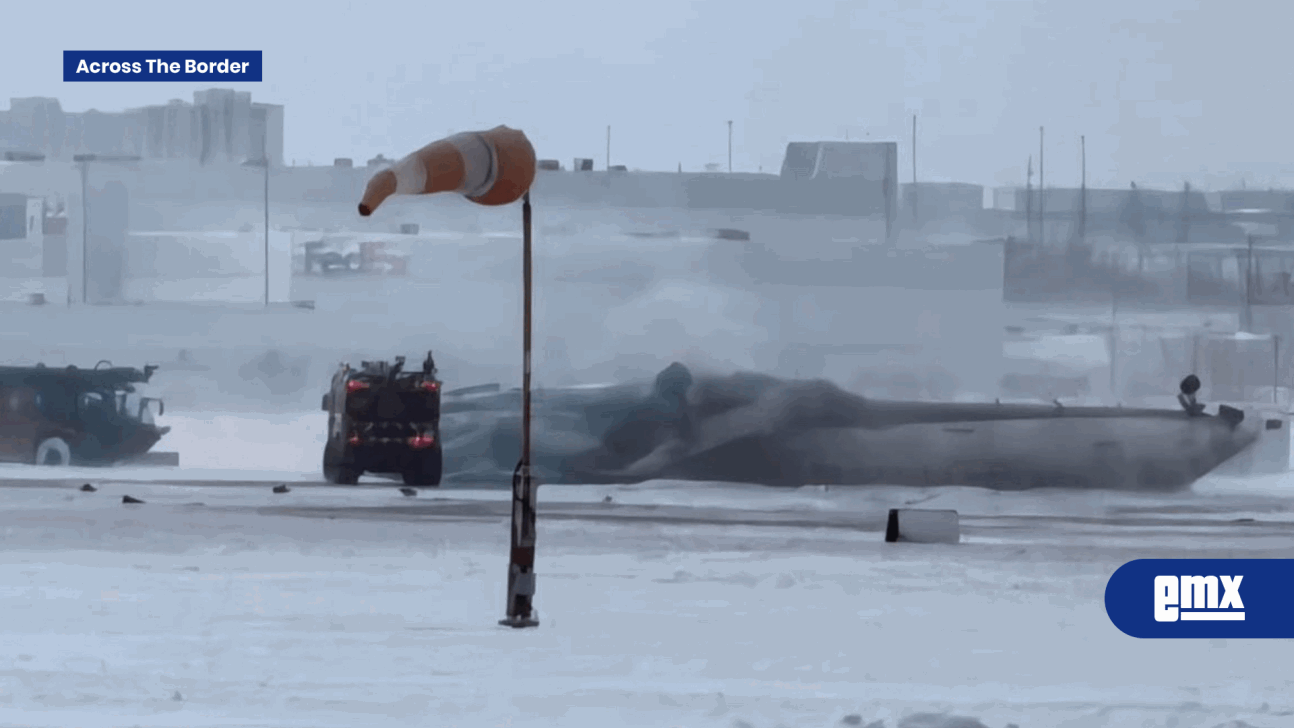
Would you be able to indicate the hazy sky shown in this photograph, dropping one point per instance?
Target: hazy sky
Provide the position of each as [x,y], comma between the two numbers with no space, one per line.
[1164,91]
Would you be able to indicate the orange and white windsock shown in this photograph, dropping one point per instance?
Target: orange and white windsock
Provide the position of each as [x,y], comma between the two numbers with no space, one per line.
[493,167]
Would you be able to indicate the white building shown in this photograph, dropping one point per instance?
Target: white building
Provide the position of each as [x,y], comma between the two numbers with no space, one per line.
[221,125]
[21,233]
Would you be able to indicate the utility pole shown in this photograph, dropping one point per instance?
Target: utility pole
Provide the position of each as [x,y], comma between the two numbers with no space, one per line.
[608,147]
[265,158]
[1028,201]
[1247,322]
[1276,366]
[85,230]
[914,169]
[1042,193]
[729,147]
[1082,199]
[1114,338]
[890,192]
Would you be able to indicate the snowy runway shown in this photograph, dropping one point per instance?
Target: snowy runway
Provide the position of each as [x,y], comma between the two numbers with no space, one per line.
[675,605]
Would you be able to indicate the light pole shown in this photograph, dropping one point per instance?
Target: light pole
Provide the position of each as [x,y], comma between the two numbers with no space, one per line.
[266,159]
[1082,215]
[1276,366]
[1042,191]
[915,217]
[84,160]
[85,230]
[729,147]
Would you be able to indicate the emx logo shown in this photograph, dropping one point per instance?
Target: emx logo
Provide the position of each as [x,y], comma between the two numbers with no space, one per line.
[1201,598]
[1195,598]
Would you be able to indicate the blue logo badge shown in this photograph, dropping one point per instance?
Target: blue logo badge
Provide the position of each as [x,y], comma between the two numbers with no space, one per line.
[1203,598]
[202,66]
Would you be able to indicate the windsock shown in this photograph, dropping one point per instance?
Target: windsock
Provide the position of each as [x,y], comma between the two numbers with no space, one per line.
[492,167]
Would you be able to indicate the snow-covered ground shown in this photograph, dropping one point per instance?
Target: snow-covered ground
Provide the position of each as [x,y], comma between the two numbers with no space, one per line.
[219,446]
[673,605]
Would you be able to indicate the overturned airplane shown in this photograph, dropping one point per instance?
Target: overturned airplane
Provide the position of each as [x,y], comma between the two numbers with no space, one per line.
[752,428]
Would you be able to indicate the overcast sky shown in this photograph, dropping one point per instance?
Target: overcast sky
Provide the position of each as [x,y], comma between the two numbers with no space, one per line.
[1165,91]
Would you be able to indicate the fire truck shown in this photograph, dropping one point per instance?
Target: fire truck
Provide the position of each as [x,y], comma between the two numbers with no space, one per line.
[384,420]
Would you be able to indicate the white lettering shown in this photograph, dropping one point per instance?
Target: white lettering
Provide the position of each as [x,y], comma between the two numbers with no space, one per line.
[191,66]
[82,67]
[1166,598]
[1199,592]
[1195,599]
[1231,593]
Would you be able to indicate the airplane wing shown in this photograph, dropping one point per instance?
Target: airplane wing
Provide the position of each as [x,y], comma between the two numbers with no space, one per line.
[487,398]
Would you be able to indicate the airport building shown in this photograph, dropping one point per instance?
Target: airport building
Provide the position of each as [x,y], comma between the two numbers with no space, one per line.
[220,126]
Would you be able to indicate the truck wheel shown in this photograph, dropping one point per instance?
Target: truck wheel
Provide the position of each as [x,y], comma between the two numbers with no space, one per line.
[427,470]
[53,451]
[336,473]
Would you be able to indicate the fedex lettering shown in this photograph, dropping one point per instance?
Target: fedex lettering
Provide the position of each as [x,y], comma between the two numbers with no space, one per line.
[1196,598]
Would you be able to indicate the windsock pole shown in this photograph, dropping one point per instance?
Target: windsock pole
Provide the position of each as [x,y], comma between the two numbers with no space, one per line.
[521,567]
[492,167]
